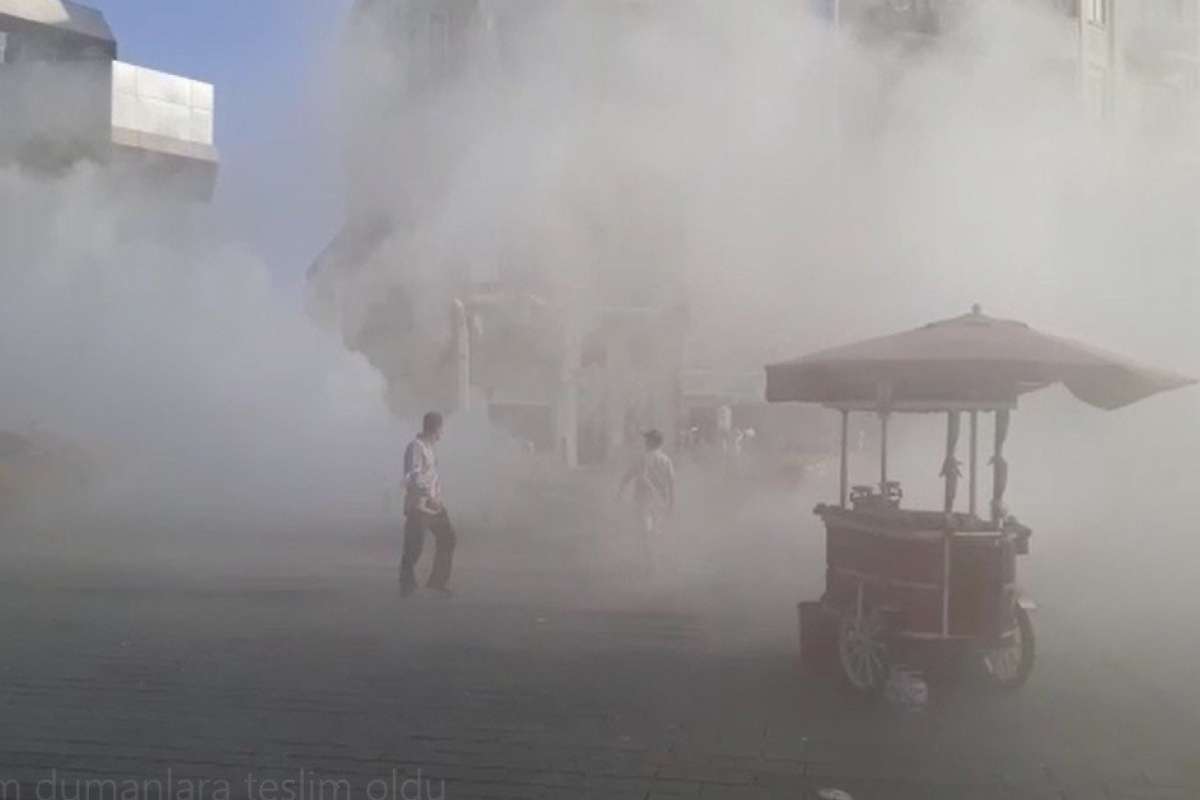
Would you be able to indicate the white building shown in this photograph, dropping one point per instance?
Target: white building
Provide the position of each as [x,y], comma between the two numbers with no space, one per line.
[66,97]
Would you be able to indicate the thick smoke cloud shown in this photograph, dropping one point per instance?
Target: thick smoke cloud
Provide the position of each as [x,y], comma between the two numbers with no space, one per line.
[202,394]
[797,188]
[800,189]
[786,180]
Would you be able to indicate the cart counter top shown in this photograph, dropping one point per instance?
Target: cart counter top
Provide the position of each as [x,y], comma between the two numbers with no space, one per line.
[911,523]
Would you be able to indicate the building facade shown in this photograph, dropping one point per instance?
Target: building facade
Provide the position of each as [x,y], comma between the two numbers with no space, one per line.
[1139,62]
[1135,63]
[66,98]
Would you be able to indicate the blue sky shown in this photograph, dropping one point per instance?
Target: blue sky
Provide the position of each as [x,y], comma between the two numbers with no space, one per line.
[279,190]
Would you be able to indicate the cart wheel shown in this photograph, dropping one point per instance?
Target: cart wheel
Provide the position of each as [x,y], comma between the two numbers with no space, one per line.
[862,650]
[1009,667]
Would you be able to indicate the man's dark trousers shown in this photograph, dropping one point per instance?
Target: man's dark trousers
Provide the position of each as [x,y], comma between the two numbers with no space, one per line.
[444,540]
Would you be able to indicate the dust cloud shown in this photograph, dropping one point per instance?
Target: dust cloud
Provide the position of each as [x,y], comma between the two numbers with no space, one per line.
[200,395]
[797,187]
[802,188]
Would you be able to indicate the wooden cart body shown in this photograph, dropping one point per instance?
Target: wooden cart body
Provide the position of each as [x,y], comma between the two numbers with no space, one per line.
[937,576]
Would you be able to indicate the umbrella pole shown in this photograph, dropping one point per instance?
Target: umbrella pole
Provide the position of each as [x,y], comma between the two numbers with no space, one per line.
[999,466]
[950,469]
[974,469]
[845,470]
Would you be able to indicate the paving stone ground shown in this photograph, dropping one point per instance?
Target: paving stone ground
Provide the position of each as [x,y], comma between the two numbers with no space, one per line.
[287,684]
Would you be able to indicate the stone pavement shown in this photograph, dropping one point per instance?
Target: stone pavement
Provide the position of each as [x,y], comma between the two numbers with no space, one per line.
[282,688]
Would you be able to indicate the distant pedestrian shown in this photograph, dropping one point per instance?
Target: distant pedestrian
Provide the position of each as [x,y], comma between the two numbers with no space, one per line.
[725,430]
[424,511]
[653,479]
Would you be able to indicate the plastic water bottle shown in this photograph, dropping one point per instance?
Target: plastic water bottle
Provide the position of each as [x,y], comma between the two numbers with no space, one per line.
[906,689]
[833,794]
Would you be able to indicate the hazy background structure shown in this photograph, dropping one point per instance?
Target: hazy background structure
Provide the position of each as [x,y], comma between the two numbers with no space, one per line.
[573,366]
[1134,62]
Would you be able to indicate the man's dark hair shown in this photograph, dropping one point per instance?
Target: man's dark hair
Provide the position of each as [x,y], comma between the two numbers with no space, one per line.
[653,439]
[432,422]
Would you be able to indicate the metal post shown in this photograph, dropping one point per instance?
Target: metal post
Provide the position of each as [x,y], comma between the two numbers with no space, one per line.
[883,453]
[950,464]
[999,465]
[947,538]
[974,469]
[845,472]
[567,402]
[462,343]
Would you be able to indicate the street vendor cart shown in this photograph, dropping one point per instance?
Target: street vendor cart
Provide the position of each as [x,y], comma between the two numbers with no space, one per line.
[902,580]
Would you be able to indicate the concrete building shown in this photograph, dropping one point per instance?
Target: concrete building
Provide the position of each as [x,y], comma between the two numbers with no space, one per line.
[1140,66]
[67,98]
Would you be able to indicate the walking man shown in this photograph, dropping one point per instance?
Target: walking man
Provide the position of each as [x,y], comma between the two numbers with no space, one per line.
[424,511]
[653,479]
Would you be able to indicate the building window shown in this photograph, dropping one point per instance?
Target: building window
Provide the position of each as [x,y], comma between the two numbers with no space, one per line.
[1096,12]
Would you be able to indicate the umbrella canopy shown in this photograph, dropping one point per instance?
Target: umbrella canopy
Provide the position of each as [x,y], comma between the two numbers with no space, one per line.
[968,361]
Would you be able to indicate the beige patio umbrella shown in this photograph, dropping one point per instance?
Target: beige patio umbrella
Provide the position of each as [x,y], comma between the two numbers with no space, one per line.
[969,363]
